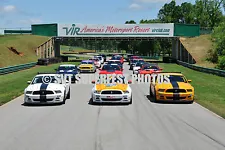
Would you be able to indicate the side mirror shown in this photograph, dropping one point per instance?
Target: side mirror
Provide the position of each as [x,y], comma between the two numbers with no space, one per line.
[100,69]
[56,69]
[129,81]
[160,69]
[28,82]
[93,82]
[189,81]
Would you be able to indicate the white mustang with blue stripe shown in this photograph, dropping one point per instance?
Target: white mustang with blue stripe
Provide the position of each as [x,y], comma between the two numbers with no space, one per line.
[46,88]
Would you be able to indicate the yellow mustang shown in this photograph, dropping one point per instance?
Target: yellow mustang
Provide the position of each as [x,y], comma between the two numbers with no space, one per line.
[177,89]
[87,66]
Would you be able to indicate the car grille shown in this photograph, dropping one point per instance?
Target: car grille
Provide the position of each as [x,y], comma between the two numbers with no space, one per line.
[111,92]
[43,92]
[114,99]
[39,100]
[175,98]
[176,91]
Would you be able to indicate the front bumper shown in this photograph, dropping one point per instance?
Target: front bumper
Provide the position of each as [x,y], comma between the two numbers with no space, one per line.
[121,98]
[179,97]
[50,99]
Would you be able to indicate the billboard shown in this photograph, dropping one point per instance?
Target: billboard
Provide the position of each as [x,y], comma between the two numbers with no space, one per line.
[124,30]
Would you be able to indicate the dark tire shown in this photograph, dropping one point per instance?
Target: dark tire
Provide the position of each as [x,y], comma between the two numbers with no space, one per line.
[191,102]
[92,102]
[150,92]
[64,98]
[131,100]
[154,97]
[68,95]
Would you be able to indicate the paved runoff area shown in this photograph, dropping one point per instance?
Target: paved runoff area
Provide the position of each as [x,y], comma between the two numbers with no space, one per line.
[77,125]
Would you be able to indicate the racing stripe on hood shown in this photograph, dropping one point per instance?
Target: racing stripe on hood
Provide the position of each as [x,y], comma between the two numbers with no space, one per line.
[176,95]
[43,88]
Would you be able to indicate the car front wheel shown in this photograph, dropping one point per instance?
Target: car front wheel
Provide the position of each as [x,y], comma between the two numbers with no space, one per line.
[68,95]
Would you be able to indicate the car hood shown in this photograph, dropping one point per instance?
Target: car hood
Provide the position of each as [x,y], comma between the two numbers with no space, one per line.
[50,86]
[86,65]
[100,87]
[175,85]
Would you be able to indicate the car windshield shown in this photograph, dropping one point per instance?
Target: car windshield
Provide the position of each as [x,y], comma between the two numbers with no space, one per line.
[86,62]
[136,60]
[67,68]
[39,79]
[177,78]
[150,67]
[110,67]
[138,64]
[99,57]
[116,58]
[114,62]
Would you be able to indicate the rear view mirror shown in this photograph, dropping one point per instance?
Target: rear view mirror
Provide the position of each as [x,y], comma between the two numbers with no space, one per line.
[28,82]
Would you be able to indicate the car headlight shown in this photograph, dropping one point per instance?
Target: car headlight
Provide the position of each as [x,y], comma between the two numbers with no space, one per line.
[161,90]
[126,92]
[58,91]
[28,92]
[189,90]
[97,92]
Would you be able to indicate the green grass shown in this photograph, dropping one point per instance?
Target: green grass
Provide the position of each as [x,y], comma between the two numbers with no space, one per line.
[26,44]
[209,89]
[12,85]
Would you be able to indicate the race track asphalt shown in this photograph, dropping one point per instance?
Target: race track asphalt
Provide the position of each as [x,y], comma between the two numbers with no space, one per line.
[77,125]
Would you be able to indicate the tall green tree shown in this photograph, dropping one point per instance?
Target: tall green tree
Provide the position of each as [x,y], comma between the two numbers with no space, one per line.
[170,13]
[208,13]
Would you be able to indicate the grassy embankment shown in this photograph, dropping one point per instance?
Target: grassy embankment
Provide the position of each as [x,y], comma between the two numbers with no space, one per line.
[25,44]
[198,47]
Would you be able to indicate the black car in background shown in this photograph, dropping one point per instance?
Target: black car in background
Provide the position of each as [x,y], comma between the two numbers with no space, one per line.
[128,57]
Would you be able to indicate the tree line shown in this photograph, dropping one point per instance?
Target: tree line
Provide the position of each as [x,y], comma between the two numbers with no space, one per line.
[207,13]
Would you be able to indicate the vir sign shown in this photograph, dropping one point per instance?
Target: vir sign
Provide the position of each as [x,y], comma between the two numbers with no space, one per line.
[125,30]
